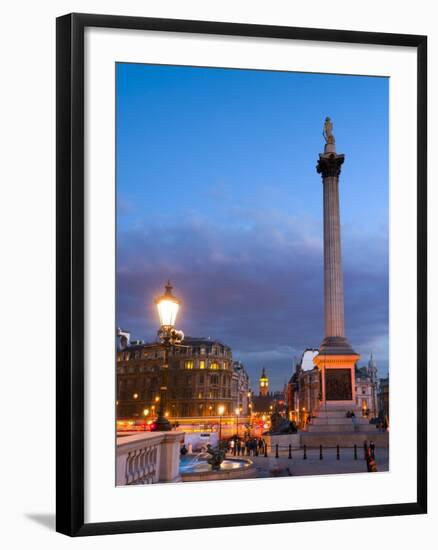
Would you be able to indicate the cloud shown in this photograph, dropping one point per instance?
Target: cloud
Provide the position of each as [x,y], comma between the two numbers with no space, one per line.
[253,280]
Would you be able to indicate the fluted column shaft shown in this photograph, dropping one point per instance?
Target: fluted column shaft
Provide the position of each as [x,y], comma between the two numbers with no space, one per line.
[329,166]
[333,277]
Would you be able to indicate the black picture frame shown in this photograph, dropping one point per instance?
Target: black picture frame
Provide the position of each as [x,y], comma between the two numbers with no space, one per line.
[70,273]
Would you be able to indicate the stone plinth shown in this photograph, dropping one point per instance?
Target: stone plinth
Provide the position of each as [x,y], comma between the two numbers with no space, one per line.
[283,440]
[341,366]
[169,457]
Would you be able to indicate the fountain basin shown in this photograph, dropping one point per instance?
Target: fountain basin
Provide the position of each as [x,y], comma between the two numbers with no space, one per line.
[231,468]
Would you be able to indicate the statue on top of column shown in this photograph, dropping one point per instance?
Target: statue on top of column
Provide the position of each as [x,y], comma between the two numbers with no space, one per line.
[327,131]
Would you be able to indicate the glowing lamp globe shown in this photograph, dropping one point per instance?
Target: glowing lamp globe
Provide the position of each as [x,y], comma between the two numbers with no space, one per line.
[167,306]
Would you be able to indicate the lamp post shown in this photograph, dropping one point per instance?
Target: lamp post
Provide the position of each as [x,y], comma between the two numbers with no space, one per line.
[220,410]
[167,307]
[145,414]
[237,411]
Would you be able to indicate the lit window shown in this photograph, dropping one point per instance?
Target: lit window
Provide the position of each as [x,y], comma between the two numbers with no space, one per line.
[214,366]
[225,364]
[202,364]
[188,365]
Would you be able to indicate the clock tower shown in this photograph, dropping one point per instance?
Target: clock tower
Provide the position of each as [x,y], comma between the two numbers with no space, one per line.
[263,383]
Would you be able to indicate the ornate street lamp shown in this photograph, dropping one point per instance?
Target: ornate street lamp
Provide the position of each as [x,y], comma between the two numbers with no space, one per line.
[167,307]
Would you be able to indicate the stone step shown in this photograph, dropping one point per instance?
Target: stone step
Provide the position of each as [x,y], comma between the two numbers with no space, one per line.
[330,420]
[345,428]
[313,439]
[341,414]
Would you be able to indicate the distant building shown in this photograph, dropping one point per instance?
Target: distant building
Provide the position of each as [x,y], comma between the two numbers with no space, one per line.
[304,388]
[201,377]
[383,398]
[241,385]
[263,384]
[266,402]
[367,389]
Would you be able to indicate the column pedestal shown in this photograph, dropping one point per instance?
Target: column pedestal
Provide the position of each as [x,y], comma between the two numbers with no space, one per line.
[337,379]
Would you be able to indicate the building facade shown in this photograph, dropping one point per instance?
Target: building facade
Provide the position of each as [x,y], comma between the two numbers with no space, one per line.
[383,398]
[242,387]
[304,389]
[367,389]
[201,378]
[303,393]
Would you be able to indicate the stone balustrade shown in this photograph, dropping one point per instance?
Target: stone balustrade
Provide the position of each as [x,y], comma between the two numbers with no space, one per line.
[149,457]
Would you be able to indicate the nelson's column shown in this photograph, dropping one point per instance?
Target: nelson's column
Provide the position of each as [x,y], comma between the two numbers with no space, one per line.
[336,358]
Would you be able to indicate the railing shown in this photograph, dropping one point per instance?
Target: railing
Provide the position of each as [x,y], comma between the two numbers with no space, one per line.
[277,451]
[141,466]
[148,457]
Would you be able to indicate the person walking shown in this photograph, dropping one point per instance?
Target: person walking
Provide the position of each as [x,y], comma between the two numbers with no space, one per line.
[261,445]
[238,447]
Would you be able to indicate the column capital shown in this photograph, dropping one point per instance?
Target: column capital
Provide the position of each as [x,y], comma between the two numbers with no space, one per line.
[329,164]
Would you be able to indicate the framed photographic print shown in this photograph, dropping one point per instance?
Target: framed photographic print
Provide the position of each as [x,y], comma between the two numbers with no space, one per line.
[241,274]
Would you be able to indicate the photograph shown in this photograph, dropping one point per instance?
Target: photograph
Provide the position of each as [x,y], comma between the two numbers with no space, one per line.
[252,274]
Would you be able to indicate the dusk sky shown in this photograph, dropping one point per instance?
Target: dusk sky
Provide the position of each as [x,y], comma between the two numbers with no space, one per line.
[217,191]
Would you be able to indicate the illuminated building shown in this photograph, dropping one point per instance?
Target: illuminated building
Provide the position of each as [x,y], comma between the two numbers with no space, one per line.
[201,378]
[263,384]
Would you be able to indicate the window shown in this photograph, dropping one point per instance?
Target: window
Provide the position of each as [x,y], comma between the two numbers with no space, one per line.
[201,378]
[188,364]
[225,365]
[214,366]
[202,364]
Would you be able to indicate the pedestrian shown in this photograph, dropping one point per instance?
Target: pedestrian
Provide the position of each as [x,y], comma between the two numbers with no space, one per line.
[372,449]
[260,445]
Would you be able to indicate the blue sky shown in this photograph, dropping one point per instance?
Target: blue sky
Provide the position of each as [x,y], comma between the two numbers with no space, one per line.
[217,190]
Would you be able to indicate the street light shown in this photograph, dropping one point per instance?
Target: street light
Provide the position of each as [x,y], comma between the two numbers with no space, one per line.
[145,414]
[167,307]
[237,411]
[221,411]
